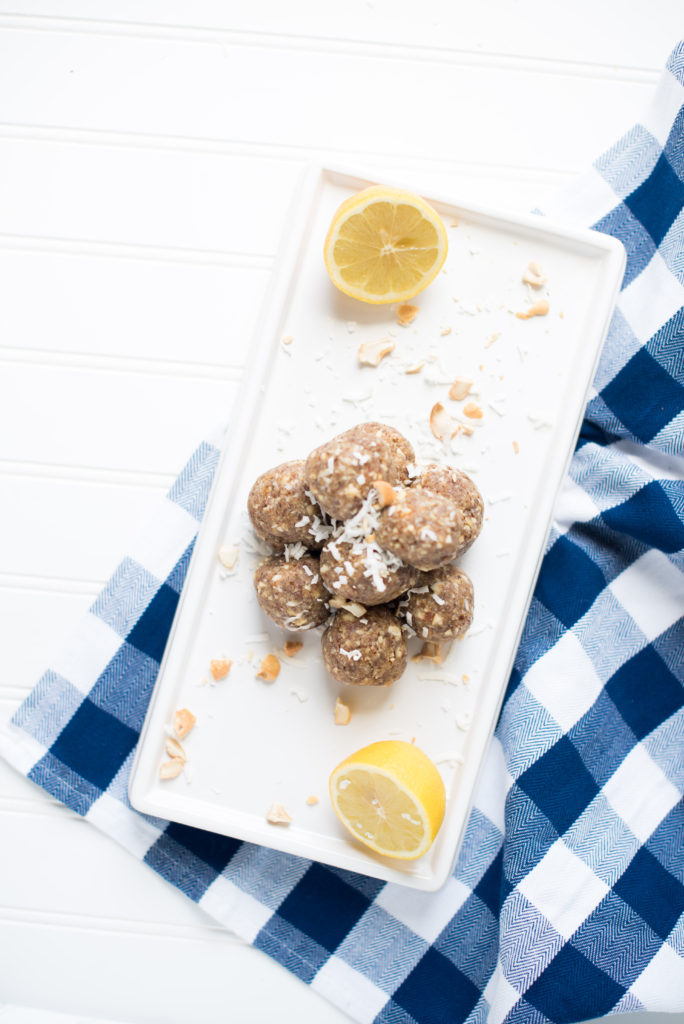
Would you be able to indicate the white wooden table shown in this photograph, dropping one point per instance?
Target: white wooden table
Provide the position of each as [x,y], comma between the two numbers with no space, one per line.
[148,149]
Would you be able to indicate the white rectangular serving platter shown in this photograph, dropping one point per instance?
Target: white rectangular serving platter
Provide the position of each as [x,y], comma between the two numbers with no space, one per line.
[257,743]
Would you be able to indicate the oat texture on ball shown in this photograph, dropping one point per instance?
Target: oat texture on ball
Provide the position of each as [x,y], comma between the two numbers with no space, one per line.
[364,546]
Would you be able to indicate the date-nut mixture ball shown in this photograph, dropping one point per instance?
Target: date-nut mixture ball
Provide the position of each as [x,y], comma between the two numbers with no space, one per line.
[401,449]
[281,512]
[362,571]
[341,472]
[292,592]
[441,606]
[456,485]
[422,529]
[370,651]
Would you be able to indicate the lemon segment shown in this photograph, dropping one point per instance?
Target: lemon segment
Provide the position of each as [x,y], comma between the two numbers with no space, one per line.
[391,797]
[384,245]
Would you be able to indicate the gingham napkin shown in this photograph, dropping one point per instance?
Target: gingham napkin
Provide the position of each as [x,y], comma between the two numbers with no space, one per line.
[567,901]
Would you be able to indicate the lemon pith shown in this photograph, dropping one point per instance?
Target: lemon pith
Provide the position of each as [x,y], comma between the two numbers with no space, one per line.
[384,245]
[391,797]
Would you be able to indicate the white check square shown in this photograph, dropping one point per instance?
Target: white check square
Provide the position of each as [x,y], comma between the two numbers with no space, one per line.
[349,990]
[500,995]
[652,298]
[651,591]
[640,793]
[420,911]
[134,831]
[92,645]
[564,681]
[159,547]
[563,888]
[664,108]
[239,911]
[661,984]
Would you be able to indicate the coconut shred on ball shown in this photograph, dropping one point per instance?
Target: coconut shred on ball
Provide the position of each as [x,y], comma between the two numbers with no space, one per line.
[362,571]
[282,512]
[291,592]
[441,606]
[366,651]
[457,486]
[341,472]
[423,529]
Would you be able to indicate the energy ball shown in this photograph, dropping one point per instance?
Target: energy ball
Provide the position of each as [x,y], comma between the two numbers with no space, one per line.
[421,528]
[401,449]
[281,512]
[441,607]
[370,651]
[340,473]
[292,592]
[457,486]
[362,571]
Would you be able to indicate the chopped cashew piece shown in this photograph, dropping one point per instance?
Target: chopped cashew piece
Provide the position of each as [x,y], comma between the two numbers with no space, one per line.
[534,275]
[292,647]
[171,769]
[183,721]
[228,555]
[269,669]
[353,607]
[460,389]
[342,713]
[414,369]
[540,308]
[174,749]
[430,651]
[516,447]
[406,314]
[371,353]
[386,493]
[441,423]
[277,815]
[220,667]
[312,800]
[473,411]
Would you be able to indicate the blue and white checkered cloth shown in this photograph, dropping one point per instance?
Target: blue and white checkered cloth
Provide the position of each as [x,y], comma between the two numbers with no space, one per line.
[567,901]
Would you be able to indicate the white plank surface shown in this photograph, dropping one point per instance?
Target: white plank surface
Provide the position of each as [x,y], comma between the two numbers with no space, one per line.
[147,154]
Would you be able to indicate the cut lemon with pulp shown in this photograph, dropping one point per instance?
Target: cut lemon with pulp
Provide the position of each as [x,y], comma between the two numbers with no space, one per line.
[384,245]
[391,797]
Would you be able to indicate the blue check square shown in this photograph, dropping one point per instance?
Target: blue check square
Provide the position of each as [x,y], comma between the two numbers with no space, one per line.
[643,375]
[657,202]
[655,894]
[626,689]
[572,988]
[94,744]
[436,992]
[559,784]
[569,581]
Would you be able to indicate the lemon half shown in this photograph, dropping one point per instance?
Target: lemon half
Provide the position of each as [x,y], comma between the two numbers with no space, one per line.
[384,245]
[391,797]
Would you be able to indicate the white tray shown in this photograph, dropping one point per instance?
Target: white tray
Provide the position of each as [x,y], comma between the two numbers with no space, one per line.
[257,743]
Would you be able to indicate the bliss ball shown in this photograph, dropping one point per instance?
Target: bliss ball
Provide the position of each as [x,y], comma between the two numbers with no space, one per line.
[366,651]
[457,486]
[281,512]
[292,592]
[441,606]
[423,529]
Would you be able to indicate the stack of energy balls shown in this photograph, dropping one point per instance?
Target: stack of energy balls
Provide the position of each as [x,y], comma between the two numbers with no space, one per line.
[366,543]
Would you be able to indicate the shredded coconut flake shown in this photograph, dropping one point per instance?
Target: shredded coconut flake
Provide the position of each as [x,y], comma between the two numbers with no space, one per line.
[354,655]
[295,551]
